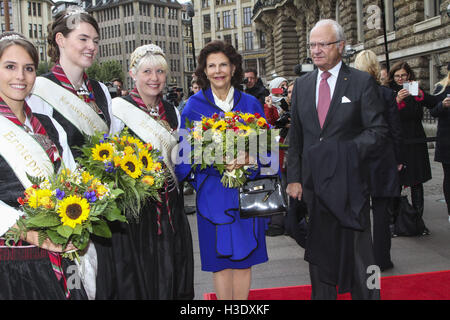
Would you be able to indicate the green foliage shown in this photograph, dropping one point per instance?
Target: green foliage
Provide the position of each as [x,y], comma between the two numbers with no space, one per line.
[106,71]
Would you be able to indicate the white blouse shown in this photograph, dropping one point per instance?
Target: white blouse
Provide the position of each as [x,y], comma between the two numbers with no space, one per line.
[227,104]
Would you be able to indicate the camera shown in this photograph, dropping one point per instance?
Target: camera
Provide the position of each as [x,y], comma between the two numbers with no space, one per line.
[113,90]
[281,91]
[245,81]
[172,95]
[283,120]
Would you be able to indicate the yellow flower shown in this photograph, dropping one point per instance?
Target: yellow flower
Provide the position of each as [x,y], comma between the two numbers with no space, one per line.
[102,152]
[149,180]
[41,197]
[136,141]
[131,165]
[73,210]
[156,166]
[117,160]
[86,176]
[261,122]
[229,114]
[146,160]
[101,190]
[128,150]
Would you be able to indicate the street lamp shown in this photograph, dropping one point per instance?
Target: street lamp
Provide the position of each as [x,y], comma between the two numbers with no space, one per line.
[191,13]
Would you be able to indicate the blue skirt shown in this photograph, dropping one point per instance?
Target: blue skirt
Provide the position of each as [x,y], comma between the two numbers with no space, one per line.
[213,262]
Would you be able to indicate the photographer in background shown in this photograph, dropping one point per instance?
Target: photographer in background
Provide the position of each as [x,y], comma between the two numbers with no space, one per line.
[174,95]
[254,85]
[118,84]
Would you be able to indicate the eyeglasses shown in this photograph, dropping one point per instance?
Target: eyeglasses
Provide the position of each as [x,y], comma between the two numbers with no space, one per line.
[321,45]
[401,76]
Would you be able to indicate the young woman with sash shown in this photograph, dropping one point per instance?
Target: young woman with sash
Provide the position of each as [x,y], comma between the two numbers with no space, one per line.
[82,106]
[161,244]
[229,246]
[30,143]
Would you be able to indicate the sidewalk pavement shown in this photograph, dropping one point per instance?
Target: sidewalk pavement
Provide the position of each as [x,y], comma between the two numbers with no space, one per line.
[286,266]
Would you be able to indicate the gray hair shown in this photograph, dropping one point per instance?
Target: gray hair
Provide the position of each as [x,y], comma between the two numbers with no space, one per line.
[338,30]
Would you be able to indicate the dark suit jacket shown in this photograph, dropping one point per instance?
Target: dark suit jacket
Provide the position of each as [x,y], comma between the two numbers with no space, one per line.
[329,245]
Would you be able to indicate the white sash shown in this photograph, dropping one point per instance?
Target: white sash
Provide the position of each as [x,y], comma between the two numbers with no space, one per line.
[23,153]
[148,129]
[76,111]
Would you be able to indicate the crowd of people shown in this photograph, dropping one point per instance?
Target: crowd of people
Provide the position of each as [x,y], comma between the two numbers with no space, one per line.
[333,120]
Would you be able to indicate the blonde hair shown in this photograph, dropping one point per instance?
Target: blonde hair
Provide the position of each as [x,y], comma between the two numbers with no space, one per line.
[148,54]
[444,83]
[367,61]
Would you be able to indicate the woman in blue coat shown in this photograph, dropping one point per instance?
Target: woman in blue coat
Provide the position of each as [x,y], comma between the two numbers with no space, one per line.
[229,246]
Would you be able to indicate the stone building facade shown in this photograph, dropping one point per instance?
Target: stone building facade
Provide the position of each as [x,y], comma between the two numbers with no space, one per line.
[417,32]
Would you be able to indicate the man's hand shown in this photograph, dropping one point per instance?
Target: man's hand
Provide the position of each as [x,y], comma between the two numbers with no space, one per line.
[446,102]
[295,190]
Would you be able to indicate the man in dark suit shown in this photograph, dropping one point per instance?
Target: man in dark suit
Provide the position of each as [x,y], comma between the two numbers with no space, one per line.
[335,104]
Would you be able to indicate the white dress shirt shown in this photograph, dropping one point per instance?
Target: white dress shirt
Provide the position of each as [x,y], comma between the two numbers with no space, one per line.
[331,80]
[227,104]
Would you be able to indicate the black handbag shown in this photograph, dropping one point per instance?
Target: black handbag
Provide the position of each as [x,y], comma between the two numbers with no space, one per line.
[408,222]
[262,197]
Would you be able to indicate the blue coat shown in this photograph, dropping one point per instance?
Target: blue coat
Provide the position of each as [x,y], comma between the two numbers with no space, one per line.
[236,239]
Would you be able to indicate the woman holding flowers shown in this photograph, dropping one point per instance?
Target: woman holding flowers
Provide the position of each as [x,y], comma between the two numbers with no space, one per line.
[29,140]
[161,243]
[82,106]
[229,246]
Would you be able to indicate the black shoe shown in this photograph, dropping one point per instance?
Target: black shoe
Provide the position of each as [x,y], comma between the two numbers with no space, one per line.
[189,210]
[388,266]
[274,231]
[426,232]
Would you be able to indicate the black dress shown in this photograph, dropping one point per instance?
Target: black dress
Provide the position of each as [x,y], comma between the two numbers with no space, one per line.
[151,261]
[26,273]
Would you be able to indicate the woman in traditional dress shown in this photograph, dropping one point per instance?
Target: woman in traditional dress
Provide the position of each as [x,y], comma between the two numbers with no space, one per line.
[27,270]
[162,242]
[82,106]
[229,246]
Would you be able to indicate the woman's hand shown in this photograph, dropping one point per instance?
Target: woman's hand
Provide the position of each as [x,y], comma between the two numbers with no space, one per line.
[446,102]
[268,101]
[242,159]
[402,94]
[32,237]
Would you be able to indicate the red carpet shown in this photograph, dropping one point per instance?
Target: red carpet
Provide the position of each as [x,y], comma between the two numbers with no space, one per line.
[421,286]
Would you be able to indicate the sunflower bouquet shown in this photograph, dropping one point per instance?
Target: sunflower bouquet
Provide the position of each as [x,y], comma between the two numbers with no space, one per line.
[130,165]
[67,207]
[226,137]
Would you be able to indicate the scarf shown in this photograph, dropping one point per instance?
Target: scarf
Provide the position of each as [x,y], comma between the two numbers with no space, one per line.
[141,104]
[38,129]
[87,96]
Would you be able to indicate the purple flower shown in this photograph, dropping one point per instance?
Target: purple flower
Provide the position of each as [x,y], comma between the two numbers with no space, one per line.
[60,194]
[109,167]
[90,196]
[222,115]
[160,158]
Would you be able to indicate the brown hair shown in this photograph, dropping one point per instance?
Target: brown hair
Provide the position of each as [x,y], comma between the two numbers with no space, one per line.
[60,24]
[227,49]
[20,40]
[401,65]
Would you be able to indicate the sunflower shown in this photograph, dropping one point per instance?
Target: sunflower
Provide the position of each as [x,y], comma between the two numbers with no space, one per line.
[103,151]
[146,160]
[73,210]
[131,165]
[136,141]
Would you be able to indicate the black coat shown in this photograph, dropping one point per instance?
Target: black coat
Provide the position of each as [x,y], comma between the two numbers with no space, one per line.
[414,150]
[384,177]
[259,92]
[329,245]
[442,152]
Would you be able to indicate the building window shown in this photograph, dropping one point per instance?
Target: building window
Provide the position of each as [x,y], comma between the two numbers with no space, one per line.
[262,39]
[227,19]
[39,10]
[29,8]
[218,21]
[247,16]
[227,39]
[248,40]
[206,23]
[432,8]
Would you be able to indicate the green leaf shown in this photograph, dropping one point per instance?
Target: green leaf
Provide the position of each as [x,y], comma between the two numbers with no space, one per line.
[116,192]
[101,229]
[77,229]
[65,231]
[55,237]
[43,220]
[114,214]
